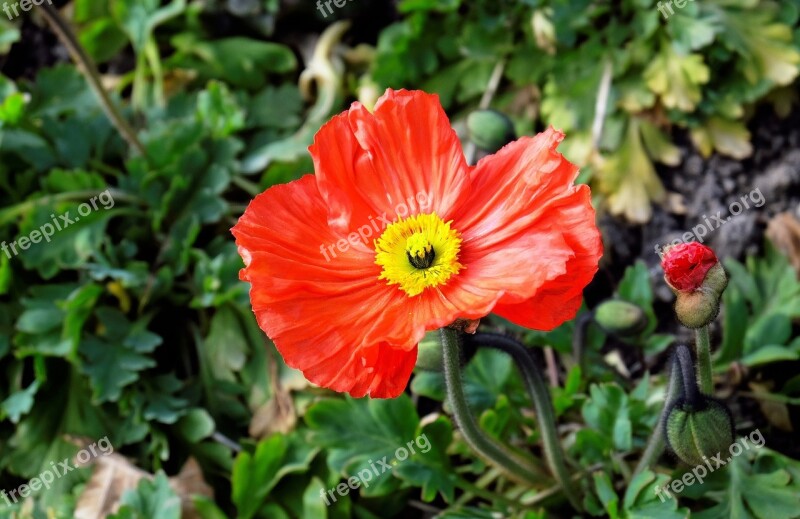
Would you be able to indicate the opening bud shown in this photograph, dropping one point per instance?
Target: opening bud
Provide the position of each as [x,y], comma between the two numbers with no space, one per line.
[696,277]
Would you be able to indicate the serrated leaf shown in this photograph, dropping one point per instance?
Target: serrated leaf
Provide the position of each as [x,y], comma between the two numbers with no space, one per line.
[362,433]
[629,178]
[676,78]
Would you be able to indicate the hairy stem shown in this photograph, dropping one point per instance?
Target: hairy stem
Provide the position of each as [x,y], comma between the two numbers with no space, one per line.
[684,364]
[704,360]
[497,454]
[540,395]
[655,445]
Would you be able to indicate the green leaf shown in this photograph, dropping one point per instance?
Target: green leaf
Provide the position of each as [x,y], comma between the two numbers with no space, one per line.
[279,107]
[102,39]
[114,360]
[691,32]
[641,500]
[19,403]
[614,414]
[769,353]
[759,305]
[361,435]
[485,379]
[630,178]
[430,467]
[226,344]
[408,6]
[728,137]
[139,18]
[758,484]
[150,500]
[605,491]
[196,425]
[635,287]
[219,110]
[764,44]
[254,59]
[254,475]
[313,505]
[677,78]
[206,509]
[9,34]
[40,324]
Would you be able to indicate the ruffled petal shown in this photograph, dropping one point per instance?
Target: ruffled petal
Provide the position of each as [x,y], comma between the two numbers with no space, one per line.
[528,225]
[559,299]
[319,313]
[413,151]
[345,177]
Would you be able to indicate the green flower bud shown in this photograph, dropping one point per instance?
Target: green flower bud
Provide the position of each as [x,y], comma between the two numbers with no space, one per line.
[700,430]
[696,427]
[490,130]
[620,318]
[429,352]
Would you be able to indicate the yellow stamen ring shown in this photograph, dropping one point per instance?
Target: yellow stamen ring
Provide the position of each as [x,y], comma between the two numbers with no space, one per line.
[418,252]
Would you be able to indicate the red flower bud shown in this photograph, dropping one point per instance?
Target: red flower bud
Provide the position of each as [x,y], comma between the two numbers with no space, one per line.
[696,277]
[686,265]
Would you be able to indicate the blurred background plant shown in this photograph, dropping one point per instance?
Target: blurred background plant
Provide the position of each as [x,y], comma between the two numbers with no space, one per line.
[132,323]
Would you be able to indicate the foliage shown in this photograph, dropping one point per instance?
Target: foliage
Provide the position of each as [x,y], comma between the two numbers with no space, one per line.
[131,322]
[557,52]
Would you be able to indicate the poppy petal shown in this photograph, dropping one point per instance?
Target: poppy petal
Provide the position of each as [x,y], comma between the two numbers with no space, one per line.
[318,312]
[526,221]
[559,299]
[342,172]
[413,150]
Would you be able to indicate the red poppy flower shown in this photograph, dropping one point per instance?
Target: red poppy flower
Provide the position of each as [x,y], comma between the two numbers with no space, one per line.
[686,265]
[396,235]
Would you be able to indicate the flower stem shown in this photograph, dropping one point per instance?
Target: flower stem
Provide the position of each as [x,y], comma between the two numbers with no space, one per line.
[655,445]
[497,454]
[89,70]
[683,363]
[540,395]
[704,360]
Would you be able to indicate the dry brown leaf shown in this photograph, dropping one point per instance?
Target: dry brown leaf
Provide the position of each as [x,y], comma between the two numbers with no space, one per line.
[784,232]
[189,482]
[776,413]
[114,474]
[278,414]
